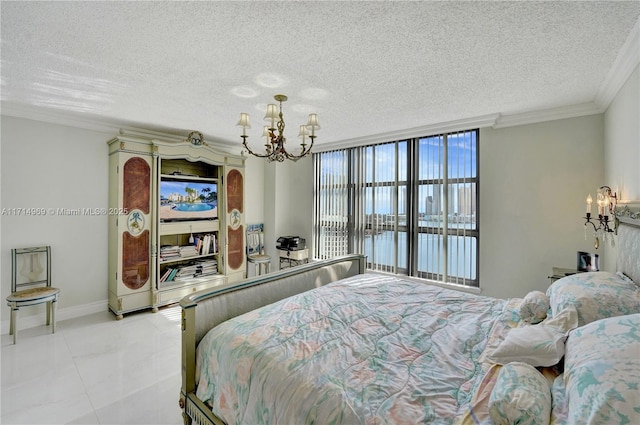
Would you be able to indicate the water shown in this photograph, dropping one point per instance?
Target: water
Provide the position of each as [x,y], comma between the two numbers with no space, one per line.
[186,206]
[461,253]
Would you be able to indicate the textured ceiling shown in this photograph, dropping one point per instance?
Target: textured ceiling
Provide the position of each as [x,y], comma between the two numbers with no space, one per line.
[365,67]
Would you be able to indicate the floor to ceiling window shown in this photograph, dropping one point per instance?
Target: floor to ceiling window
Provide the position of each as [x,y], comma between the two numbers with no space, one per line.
[410,206]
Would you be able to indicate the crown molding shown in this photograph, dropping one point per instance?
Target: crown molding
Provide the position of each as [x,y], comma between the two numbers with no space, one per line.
[626,62]
[543,115]
[422,131]
[101,124]
[492,120]
[495,120]
[87,122]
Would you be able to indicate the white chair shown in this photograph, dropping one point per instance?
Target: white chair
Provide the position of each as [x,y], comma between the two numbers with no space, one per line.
[31,284]
[255,249]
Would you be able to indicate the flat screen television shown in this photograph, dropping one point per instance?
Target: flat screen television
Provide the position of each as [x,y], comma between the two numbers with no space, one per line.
[182,200]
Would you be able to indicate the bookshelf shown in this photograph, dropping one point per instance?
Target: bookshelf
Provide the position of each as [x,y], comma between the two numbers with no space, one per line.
[190,234]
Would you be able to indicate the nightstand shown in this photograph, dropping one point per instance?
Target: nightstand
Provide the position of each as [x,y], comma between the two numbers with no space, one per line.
[559,273]
[293,258]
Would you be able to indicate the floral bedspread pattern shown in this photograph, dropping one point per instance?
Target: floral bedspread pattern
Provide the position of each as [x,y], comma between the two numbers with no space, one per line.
[369,350]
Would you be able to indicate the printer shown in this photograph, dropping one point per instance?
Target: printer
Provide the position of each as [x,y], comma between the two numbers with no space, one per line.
[290,243]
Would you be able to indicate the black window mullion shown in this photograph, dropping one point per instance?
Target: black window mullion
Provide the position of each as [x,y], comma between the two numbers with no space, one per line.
[412,206]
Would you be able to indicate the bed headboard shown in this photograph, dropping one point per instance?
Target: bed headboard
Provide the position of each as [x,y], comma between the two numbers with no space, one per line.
[628,240]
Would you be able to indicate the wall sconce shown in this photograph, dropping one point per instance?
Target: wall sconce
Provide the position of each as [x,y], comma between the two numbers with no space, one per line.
[606,203]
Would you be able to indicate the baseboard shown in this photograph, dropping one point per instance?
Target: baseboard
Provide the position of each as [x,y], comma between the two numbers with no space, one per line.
[33,320]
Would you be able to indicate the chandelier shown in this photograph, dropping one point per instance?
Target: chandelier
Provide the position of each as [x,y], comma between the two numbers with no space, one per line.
[275,150]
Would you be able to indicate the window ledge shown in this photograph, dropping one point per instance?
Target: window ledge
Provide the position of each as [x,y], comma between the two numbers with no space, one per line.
[454,286]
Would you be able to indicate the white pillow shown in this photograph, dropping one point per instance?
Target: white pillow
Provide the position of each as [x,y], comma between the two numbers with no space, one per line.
[602,372]
[594,295]
[537,345]
[521,395]
[559,408]
[534,307]
[624,277]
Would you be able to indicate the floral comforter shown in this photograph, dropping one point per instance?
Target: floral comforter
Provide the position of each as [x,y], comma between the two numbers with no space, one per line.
[370,349]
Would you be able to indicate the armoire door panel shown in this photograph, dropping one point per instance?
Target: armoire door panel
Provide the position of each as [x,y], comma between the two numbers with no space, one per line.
[235,191]
[136,179]
[235,248]
[135,259]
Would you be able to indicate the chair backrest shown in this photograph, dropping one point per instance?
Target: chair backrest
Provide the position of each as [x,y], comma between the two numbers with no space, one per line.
[255,239]
[30,267]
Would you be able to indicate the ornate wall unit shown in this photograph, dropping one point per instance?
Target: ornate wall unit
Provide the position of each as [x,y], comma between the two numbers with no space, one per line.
[176,220]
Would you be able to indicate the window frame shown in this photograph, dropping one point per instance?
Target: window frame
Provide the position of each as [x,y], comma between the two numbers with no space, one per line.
[361,179]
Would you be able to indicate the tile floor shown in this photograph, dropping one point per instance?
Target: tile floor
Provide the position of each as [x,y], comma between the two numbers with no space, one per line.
[94,370]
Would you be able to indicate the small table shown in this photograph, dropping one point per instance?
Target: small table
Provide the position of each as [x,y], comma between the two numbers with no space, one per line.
[559,273]
[293,258]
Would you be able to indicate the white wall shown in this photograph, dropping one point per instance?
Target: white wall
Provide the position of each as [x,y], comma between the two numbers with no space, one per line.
[622,147]
[56,167]
[254,193]
[301,196]
[533,183]
[288,202]
[622,140]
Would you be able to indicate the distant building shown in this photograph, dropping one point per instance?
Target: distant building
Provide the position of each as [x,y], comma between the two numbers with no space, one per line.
[179,197]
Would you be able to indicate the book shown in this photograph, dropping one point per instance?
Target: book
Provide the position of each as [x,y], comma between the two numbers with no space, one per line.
[166,274]
[172,275]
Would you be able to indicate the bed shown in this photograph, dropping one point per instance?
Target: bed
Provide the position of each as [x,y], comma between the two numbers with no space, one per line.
[327,343]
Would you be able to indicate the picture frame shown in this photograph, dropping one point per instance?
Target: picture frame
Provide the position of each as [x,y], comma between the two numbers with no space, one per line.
[588,262]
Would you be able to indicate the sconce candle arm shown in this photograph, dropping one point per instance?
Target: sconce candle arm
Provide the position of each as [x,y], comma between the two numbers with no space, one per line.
[588,218]
[603,223]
